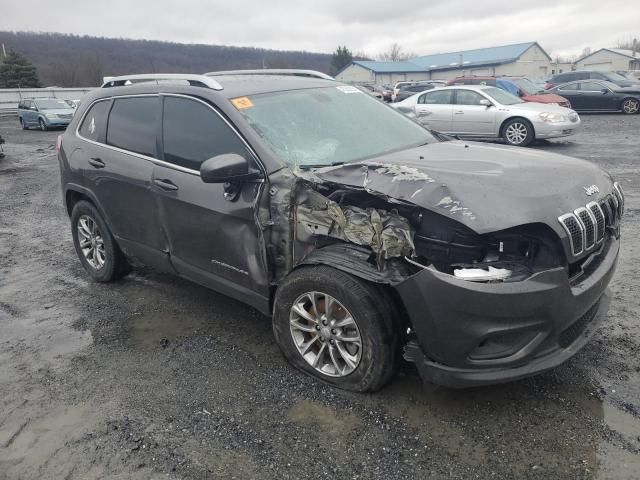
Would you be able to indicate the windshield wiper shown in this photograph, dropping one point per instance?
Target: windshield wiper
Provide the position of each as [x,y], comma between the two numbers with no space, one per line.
[305,166]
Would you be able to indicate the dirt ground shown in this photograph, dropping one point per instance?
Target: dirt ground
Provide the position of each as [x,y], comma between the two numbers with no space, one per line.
[155,377]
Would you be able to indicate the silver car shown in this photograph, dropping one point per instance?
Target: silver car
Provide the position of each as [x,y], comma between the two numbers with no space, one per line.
[478,111]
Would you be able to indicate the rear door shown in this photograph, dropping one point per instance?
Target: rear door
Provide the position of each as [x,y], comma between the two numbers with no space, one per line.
[117,165]
[435,110]
[571,91]
[213,236]
[470,117]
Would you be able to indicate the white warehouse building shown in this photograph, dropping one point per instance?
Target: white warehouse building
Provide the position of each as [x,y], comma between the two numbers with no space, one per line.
[610,59]
[528,59]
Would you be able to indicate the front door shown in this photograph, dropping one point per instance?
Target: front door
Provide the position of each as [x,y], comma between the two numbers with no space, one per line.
[212,231]
[595,96]
[435,110]
[470,117]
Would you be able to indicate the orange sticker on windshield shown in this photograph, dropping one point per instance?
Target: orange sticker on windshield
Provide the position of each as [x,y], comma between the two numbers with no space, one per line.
[242,102]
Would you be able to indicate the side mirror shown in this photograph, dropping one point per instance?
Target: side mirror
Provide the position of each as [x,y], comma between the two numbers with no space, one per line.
[520,93]
[485,102]
[604,91]
[227,168]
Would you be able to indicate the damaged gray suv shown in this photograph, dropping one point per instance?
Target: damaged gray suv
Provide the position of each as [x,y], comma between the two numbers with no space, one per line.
[366,237]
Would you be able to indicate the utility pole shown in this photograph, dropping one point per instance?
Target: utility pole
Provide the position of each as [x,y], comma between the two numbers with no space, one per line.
[4,51]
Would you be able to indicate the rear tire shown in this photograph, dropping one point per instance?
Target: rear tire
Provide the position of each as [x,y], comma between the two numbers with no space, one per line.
[518,132]
[630,106]
[97,249]
[357,342]
[22,125]
[43,126]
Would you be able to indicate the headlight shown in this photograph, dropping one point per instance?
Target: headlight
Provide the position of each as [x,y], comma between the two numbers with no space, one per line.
[552,117]
[51,115]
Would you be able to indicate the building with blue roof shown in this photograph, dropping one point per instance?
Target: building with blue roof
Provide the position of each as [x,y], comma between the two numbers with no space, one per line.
[527,58]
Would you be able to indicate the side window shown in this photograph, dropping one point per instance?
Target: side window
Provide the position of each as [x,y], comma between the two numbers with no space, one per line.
[21,105]
[94,125]
[569,87]
[597,76]
[438,97]
[591,87]
[467,97]
[193,133]
[132,124]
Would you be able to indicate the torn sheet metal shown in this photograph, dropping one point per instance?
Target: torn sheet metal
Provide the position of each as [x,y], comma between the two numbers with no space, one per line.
[387,233]
[396,182]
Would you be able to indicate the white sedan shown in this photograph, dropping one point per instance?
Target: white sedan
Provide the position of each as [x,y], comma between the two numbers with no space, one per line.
[477,111]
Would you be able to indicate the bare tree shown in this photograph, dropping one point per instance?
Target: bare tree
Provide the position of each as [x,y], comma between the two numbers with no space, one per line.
[395,54]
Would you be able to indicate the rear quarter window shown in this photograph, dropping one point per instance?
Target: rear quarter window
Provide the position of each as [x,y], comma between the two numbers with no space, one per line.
[94,124]
[132,124]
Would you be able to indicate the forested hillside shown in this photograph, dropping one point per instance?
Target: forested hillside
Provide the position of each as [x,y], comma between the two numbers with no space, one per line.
[78,61]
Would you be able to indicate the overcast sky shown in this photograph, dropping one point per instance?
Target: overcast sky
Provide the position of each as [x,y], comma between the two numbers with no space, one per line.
[419,26]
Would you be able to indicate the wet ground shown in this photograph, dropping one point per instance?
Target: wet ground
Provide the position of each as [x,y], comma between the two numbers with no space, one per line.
[155,377]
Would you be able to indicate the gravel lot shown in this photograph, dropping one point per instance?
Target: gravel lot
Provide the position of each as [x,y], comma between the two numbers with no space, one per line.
[155,377]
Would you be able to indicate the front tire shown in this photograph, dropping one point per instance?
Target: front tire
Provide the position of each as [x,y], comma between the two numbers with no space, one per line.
[98,252]
[518,132]
[43,125]
[337,328]
[630,106]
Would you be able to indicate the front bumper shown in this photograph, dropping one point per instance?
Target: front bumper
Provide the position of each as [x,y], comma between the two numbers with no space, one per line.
[57,122]
[470,334]
[555,130]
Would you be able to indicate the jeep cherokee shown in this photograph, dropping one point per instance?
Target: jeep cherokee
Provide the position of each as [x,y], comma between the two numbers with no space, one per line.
[364,235]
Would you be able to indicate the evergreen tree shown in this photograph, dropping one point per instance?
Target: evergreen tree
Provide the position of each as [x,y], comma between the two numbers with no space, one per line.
[17,72]
[340,59]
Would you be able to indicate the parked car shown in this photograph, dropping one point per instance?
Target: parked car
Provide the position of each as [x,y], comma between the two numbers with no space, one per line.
[601,96]
[407,91]
[576,75]
[44,113]
[403,85]
[520,86]
[633,75]
[371,90]
[477,111]
[359,231]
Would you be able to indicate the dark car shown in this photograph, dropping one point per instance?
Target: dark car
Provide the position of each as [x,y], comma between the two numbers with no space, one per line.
[519,86]
[406,91]
[600,96]
[362,234]
[576,75]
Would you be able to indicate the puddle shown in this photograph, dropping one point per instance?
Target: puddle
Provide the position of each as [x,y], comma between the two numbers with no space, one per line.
[326,419]
[153,328]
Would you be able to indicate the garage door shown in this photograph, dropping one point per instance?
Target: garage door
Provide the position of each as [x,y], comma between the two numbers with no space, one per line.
[602,66]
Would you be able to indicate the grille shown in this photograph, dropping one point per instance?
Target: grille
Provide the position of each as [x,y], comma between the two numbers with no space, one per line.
[598,216]
[65,115]
[571,224]
[587,227]
[573,331]
[588,224]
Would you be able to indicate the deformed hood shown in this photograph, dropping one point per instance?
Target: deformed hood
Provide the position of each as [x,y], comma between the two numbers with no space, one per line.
[485,187]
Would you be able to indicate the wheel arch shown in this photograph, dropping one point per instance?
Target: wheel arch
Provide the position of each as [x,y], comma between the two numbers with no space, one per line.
[637,99]
[353,259]
[516,117]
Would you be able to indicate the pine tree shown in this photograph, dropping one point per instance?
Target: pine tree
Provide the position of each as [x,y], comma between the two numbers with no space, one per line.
[17,72]
[340,59]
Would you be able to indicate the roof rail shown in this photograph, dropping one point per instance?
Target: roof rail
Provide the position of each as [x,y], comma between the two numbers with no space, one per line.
[274,71]
[193,80]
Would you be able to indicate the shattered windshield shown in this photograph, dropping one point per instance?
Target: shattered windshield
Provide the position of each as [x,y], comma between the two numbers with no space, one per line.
[329,126]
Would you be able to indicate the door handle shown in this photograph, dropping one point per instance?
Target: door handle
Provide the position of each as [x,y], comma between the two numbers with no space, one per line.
[165,184]
[459,112]
[424,113]
[96,162]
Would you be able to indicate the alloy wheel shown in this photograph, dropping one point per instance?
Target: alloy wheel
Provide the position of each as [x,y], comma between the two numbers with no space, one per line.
[325,334]
[43,126]
[516,133]
[91,242]
[631,106]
